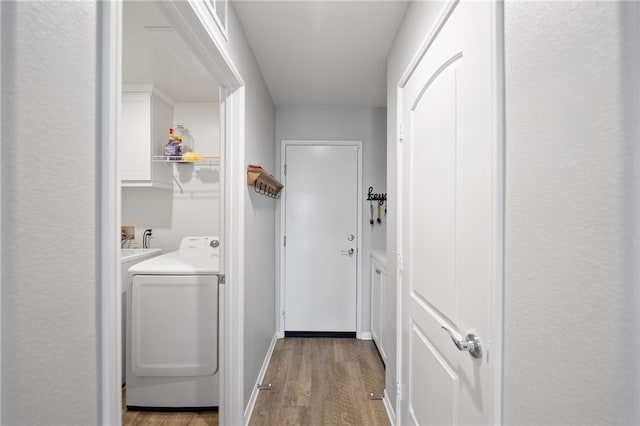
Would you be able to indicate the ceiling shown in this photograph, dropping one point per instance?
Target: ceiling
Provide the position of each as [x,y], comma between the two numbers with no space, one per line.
[310,52]
[328,52]
[152,52]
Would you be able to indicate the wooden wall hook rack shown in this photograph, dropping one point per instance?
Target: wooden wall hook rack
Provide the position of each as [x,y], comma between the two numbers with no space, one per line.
[262,182]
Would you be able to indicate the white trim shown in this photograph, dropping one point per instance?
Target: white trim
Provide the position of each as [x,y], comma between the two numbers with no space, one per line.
[398,255]
[212,7]
[146,89]
[219,57]
[2,143]
[109,295]
[365,335]
[263,371]
[388,408]
[281,285]
[497,309]
[233,344]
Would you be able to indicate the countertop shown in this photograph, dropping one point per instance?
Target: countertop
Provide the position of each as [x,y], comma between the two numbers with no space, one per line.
[130,254]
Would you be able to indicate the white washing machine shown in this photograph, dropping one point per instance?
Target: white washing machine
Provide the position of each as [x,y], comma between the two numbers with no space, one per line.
[172,337]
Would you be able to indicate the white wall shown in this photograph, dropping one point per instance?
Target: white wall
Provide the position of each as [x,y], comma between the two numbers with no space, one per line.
[195,210]
[50,213]
[346,123]
[571,297]
[571,287]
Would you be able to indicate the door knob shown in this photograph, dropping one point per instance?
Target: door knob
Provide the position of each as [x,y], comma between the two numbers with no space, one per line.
[351,237]
[471,344]
[348,252]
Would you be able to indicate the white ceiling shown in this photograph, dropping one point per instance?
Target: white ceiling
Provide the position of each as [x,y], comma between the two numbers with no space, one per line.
[153,53]
[328,52]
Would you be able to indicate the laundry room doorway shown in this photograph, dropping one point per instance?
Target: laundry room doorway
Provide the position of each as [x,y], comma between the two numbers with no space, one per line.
[321,250]
[187,31]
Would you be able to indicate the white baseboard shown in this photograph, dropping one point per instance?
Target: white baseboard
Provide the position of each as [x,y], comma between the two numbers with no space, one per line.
[254,394]
[388,408]
[364,335]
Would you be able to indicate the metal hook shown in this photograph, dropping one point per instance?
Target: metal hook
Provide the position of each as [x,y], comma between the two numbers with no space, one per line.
[267,190]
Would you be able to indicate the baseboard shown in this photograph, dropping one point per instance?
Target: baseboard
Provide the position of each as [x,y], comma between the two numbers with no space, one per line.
[263,370]
[365,335]
[388,408]
[327,334]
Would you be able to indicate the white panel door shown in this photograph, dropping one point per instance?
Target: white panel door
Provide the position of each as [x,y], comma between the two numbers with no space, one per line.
[450,221]
[321,229]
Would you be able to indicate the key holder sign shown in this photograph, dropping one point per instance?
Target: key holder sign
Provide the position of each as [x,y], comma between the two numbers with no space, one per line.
[381,198]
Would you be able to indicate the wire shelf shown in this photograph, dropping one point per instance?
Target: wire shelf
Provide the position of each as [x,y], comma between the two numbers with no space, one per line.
[207,159]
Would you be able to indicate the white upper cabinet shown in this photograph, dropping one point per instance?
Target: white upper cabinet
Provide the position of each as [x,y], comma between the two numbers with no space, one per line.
[147,115]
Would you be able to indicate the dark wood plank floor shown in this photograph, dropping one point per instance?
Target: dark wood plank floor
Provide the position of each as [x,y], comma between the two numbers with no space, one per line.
[316,381]
[322,381]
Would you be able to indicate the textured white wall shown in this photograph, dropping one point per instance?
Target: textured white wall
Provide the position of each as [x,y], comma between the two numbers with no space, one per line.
[571,295]
[196,209]
[49,213]
[339,123]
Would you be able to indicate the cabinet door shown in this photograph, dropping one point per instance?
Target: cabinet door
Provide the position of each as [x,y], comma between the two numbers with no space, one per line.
[134,152]
[376,301]
[385,320]
[146,119]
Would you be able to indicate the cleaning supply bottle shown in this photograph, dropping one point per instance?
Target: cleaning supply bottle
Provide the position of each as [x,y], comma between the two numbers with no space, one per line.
[185,138]
[174,147]
[169,147]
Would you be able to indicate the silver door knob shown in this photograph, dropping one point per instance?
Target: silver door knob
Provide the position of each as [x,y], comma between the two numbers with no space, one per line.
[348,252]
[471,344]
[351,237]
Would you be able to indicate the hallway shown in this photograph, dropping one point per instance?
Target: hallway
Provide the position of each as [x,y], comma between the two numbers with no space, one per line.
[322,382]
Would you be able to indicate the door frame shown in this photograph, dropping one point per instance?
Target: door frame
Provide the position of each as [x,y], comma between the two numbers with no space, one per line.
[280,296]
[495,342]
[201,34]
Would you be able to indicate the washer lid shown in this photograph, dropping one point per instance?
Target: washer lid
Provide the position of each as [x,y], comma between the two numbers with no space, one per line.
[176,263]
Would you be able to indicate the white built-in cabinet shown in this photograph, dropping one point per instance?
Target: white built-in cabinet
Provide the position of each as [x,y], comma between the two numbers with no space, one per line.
[380,320]
[147,115]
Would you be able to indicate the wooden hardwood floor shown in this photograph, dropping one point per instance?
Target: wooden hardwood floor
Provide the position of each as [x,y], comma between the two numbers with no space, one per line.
[322,381]
[316,381]
[139,418]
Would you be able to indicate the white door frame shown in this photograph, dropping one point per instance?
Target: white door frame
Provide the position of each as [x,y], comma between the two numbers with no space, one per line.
[496,342]
[196,25]
[280,299]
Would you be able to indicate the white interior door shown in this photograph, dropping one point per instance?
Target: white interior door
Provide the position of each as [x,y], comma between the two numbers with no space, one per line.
[321,231]
[451,221]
